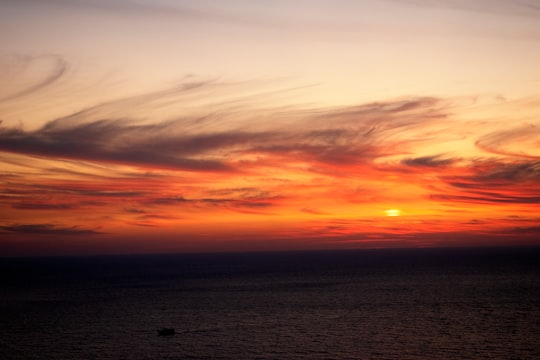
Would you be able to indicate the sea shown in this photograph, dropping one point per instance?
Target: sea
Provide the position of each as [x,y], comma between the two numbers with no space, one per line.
[467,303]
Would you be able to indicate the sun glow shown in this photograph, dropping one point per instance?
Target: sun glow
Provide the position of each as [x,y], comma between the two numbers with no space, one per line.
[393,212]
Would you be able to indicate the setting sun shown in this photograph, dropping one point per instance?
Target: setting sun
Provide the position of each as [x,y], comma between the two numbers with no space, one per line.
[393,212]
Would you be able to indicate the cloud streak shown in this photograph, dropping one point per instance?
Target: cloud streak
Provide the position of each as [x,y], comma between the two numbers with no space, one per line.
[46,229]
[492,181]
[520,142]
[428,162]
[18,65]
[522,7]
[335,137]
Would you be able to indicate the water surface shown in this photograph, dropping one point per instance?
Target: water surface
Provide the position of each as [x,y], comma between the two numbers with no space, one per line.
[370,304]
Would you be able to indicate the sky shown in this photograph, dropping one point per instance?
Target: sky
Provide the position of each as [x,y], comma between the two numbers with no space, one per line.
[138,126]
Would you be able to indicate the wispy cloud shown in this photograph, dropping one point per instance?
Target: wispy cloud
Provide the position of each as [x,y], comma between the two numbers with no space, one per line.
[435,161]
[522,7]
[520,142]
[335,137]
[129,7]
[236,13]
[44,206]
[313,211]
[79,188]
[14,67]
[238,204]
[483,197]
[493,181]
[47,229]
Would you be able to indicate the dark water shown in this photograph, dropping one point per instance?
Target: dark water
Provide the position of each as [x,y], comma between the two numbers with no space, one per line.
[385,304]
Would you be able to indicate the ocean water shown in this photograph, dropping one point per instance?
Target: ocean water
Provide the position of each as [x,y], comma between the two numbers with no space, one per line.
[369,304]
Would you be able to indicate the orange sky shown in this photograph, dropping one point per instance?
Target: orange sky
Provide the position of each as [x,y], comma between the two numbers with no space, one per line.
[161,126]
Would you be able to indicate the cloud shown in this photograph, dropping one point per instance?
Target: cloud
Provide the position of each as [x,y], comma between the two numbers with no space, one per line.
[523,7]
[334,137]
[435,161]
[496,172]
[16,66]
[134,211]
[492,181]
[43,206]
[520,142]
[113,142]
[523,230]
[237,15]
[240,203]
[143,224]
[46,229]
[482,197]
[313,211]
[342,237]
[79,188]
[123,6]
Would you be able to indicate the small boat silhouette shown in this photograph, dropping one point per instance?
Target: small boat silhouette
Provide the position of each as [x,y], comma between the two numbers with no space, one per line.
[166,332]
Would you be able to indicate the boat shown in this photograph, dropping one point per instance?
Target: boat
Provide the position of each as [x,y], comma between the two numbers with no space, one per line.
[166,332]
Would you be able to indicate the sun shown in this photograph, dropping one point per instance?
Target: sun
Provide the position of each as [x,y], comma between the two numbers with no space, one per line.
[393,212]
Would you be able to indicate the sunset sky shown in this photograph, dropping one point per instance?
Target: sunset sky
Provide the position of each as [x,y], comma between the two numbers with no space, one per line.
[133,126]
